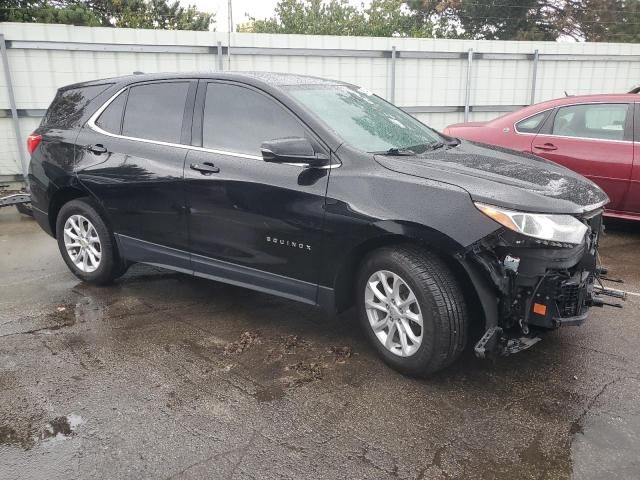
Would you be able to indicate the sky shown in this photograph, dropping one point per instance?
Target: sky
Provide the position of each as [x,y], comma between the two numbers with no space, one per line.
[255,8]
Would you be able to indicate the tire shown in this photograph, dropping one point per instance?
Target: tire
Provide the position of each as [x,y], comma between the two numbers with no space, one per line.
[109,265]
[439,300]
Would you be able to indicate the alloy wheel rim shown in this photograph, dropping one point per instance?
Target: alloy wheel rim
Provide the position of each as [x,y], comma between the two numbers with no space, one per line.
[394,313]
[82,243]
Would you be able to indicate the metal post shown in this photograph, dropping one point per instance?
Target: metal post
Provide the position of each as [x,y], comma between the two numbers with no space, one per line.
[14,110]
[536,56]
[467,94]
[219,56]
[230,19]
[392,87]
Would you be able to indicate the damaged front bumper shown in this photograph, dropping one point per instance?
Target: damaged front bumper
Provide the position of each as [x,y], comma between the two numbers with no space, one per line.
[527,286]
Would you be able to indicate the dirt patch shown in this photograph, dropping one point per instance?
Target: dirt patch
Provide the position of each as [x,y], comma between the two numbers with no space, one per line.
[307,372]
[341,354]
[246,340]
[270,393]
[5,191]
[8,380]
[291,342]
[9,436]
[62,316]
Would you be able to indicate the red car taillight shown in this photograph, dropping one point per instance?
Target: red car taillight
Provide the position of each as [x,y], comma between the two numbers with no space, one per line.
[32,142]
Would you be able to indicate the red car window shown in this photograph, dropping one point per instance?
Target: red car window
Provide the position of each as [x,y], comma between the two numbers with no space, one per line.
[600,121]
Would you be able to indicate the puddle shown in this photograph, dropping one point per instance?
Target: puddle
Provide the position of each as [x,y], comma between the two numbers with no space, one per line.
[61,427]
[67,315]
[607,446]
[88,310]
[606,439]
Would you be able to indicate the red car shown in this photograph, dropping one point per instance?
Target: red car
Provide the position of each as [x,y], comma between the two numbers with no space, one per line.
[593,135]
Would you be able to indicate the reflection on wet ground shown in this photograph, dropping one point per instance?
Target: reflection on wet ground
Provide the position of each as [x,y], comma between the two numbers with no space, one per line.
[167,376]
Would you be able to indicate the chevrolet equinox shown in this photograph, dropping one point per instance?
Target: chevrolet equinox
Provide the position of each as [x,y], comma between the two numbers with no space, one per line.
[324,193]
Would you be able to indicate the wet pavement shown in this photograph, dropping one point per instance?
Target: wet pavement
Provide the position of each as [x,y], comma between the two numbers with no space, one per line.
[166,376]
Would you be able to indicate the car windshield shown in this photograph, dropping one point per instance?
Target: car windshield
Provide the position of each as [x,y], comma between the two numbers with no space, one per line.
[364,120]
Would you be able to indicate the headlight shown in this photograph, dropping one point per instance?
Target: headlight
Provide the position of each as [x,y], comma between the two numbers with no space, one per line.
[554,228]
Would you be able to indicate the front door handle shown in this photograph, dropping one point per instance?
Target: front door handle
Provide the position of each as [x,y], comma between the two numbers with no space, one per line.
[546,146]
[98,149]
[206,168]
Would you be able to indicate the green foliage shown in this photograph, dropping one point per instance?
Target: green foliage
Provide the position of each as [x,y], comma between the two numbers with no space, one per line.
[382,18]
[47,12]
[489,20]
[159,14]
[601,20]
[590,20]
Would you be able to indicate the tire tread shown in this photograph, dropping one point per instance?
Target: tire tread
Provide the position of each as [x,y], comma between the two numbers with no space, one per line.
[432,273]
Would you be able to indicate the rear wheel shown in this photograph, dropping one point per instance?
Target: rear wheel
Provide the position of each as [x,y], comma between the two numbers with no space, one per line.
[86,243]
[412,309]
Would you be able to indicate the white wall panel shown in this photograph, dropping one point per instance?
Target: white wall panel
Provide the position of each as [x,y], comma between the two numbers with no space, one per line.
[419,81]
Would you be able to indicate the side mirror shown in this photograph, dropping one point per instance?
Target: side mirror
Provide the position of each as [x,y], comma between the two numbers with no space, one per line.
[292,150]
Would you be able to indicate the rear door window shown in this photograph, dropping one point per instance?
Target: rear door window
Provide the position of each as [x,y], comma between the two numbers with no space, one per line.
[155,111]
[238,119]
[604,121]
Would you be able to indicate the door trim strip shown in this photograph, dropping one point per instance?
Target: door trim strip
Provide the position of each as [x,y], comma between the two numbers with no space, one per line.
[201,266]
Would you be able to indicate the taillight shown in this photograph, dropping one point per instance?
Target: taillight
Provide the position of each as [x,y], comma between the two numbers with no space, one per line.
[33,141]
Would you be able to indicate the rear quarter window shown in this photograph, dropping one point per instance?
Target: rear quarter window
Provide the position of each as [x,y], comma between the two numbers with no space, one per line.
[68,106]
[531,124]
[110,119]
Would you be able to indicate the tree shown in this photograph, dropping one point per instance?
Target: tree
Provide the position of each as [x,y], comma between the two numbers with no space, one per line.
[489,20]
[338,17]
[159,14]
[313,17]
[387,18]
[47,12]
[599,20]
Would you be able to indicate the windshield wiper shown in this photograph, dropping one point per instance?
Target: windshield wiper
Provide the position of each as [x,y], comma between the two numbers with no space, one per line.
[434,145]
[396,152]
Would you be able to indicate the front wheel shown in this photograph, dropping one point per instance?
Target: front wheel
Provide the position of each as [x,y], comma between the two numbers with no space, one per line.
[412,309]
[86,243]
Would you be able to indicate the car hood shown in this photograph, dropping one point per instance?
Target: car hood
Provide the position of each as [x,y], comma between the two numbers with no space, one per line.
[503,177]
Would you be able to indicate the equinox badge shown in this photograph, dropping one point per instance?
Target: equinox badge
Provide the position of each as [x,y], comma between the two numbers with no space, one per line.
[289,243]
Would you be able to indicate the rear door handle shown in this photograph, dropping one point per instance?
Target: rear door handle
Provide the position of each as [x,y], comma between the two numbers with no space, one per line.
[547,146]
[98,149]
[206,168]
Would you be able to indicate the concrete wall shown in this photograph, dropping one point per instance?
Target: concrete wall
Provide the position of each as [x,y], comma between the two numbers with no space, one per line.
[433,89]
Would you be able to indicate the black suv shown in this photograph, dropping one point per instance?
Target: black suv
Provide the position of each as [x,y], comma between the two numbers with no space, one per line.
[320,192]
